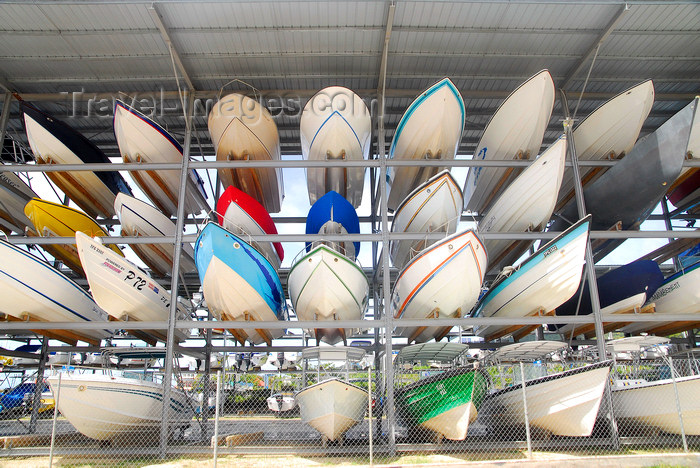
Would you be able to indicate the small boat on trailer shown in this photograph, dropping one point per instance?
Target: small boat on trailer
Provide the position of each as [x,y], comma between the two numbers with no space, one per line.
[241,130]
[108,404]
[335,125]
[434,206]
[244,216]
[239,283]
[442,281]
[609,132]
[515,131]
[537,286]
[332,405]
[54,142]
[651,392]
[125,291]
[564,403]
[56,220]
[281,402]
[14,195]
[138,218]
[448,401]
[430,128]
[142,140]
[525,206]
[34,291]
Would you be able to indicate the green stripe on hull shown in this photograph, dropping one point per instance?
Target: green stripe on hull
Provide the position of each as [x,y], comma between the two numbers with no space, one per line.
[428,398]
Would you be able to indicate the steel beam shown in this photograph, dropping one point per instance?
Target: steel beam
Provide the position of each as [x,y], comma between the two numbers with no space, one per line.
[158,20]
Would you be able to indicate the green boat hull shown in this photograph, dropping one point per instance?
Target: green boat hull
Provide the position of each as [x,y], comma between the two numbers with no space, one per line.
[444,403]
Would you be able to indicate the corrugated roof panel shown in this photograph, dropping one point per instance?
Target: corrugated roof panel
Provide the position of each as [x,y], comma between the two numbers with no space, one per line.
[120,45]
[24,17]
[661,17]
[667,47]
[85,16]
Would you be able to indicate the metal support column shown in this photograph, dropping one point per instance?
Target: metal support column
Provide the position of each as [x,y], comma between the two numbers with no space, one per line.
[180,222]
[36,401]
[590,265]
[5,117]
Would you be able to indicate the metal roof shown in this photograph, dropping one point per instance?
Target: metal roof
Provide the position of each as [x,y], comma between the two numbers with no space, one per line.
[295,48]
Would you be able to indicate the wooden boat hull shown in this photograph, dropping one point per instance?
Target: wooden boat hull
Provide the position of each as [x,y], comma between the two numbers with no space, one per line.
[241,129]
[106,407]
[631,404]
[332,406]
[335,124]
[443,280]
[138,218]
[140,139]
[325,285]
[515,131]
[526,205]
[630,190]
[445,403]
[14,195]
[434,206]
[239,283]
[35,291]
[54,142]
[241,214]
[564,404]
[608,132]
[542,282]
[56,220]
[123,290]
[430,128]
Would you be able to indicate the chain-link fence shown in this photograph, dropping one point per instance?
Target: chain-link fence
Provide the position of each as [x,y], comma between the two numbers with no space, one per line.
[311,405]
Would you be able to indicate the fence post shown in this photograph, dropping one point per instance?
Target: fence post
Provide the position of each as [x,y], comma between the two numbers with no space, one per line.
[369,409]
[678,404]
[55,416]
[216,415]
[527,418]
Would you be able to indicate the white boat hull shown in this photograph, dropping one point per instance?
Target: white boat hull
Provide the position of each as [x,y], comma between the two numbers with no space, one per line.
[443,281]
[239,222]
[332,407]
[609,132]
[230,297]
[430,128]
[325,286]
[141,219]
[241,129]
[335,124]
[123,290]
[14,195]
[49,149]
[33,290]
[566,405]
[544,286]
[435,206]
[515,131]
[654,404]
[105,407]
[526,205]
[286,403]
[141,142]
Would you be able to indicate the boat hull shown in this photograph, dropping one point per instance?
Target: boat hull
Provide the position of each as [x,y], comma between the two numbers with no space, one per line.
[541,284]
[142,140]
[526,205]
[443,281]
[325,285]
[105,407]
[14,195]
[33,290]
[332,407]
[445,404]
[239,283]
[56,220]
[564,404]
[430,128]
[335,125]
[631,404]
[241,129]
[435,206]
[123,290]
[515,131]
[141,219]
